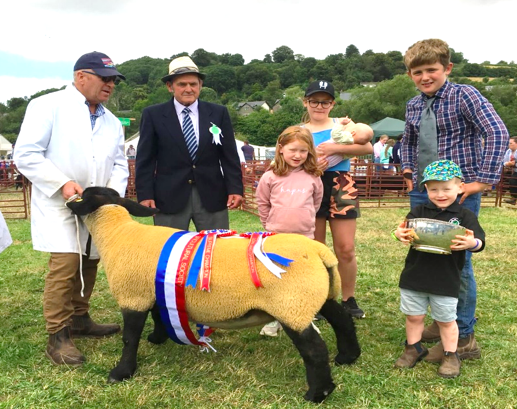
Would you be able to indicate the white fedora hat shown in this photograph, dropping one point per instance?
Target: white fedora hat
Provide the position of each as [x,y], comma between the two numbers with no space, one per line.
[182,65]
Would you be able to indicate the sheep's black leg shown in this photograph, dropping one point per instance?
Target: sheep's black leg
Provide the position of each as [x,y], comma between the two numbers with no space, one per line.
[316,359]
[134,322]
[159,334]
[343,324]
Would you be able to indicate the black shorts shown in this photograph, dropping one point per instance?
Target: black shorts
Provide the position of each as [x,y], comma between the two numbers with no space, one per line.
[339,196]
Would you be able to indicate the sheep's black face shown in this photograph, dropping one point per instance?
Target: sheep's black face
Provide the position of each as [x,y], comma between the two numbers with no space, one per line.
[101,191]
[95,197]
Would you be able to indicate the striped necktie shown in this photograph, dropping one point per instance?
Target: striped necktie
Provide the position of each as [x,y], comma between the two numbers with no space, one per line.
[427,140]
[189,134]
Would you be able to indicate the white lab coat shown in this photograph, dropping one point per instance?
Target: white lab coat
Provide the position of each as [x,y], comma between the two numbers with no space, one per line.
[5,236]
[56,144]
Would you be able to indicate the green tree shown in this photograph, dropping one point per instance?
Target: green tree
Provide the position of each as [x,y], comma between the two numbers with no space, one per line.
[272,93]
[236,60]
[222,78]
[457,58]
[351,51]
[283,53]
[203,58]
[388,98]
[209,95]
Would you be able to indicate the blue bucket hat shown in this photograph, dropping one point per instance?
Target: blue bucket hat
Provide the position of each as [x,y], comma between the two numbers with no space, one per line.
[441,170]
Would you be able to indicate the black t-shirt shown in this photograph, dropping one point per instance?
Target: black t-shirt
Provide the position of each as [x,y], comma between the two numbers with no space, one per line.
[439,273]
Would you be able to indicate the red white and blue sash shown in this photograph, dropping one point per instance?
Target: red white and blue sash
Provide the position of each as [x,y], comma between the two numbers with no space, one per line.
[182,258]
[170,291]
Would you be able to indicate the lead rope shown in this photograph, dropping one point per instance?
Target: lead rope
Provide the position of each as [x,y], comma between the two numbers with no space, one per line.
[78,240]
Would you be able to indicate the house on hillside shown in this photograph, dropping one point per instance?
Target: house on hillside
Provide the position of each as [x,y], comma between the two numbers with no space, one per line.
[277,107]
[246,108]
[369,84]
[345,96]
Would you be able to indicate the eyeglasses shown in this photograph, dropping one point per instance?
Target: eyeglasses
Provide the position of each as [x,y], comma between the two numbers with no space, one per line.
[113,78]
[324,104]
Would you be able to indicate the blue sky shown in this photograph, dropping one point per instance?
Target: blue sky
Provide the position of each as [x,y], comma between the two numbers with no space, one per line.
[20,66]
[46,37]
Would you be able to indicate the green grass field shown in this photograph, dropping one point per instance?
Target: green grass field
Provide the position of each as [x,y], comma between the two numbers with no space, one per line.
[250,371]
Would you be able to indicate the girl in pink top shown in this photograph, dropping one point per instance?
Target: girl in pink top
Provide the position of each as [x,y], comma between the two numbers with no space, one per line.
[290,193]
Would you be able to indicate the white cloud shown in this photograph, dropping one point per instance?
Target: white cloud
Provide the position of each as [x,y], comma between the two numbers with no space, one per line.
[12,87]
[63,30]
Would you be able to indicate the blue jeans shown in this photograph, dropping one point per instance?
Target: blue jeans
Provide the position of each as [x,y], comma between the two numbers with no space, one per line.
[467,297]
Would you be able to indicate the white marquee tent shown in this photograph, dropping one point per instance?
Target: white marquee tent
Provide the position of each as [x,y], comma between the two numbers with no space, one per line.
[5,146]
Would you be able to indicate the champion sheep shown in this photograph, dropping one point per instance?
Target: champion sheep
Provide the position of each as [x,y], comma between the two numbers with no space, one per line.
[130,253]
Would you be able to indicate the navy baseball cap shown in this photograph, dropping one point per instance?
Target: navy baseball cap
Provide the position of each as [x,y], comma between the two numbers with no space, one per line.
[99,63]
[320,86]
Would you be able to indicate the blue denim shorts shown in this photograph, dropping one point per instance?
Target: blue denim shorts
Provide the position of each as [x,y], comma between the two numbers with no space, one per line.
[443,308]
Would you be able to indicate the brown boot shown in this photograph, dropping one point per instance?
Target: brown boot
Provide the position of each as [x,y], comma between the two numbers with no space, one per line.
[451,364]
[411,355]
[435,354]
[468,348]
[84,327]
[431,333]
[61,349]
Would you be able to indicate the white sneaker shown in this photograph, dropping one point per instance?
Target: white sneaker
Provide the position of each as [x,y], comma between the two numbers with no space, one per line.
[271,329]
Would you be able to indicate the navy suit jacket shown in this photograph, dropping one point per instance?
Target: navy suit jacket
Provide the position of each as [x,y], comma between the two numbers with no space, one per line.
[165,171]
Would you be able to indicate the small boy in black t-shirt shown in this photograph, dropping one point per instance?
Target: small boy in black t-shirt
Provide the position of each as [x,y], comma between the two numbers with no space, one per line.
[433,280]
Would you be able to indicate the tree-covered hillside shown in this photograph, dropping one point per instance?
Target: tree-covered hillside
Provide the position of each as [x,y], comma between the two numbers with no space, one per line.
[281,78]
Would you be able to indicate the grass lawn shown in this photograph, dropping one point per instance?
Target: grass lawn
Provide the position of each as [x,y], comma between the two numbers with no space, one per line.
[250,371]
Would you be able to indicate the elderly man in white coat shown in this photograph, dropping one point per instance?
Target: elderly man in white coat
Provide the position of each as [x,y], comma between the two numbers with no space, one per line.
[68,142]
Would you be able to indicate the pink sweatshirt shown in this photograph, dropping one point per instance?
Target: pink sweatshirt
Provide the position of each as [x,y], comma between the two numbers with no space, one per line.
[288,204]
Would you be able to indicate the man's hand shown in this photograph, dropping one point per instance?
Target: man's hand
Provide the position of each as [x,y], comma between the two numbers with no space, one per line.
[473,188]
[71,188]
[234,201]
[148,203]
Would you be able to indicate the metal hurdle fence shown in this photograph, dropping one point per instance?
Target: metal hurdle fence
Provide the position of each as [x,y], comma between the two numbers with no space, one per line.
[379,186]
[14,192]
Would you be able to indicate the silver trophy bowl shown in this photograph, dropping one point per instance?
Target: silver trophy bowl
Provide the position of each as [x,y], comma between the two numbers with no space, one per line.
[434,236]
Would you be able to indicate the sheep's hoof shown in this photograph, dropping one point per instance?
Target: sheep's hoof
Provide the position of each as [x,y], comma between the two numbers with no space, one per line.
[118,375]
[319,397]
[157,339]
[345,359]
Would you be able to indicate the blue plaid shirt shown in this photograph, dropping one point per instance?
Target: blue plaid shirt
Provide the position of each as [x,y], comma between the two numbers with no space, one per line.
[464,118]
[99,111]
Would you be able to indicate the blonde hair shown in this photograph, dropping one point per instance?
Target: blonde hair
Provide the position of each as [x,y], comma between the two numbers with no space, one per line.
[291,134]
[427,52]
[389,144]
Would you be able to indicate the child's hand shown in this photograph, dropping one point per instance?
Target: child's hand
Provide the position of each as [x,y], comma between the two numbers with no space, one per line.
[403,233]
[464,242]
[345,121]
[326,149]
[323,163]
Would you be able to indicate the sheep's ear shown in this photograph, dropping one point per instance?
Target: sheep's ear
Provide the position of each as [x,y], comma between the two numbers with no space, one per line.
[82,207]
[137,209]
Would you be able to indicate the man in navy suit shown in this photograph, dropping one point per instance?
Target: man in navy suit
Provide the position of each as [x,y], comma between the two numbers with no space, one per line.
[185,184]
